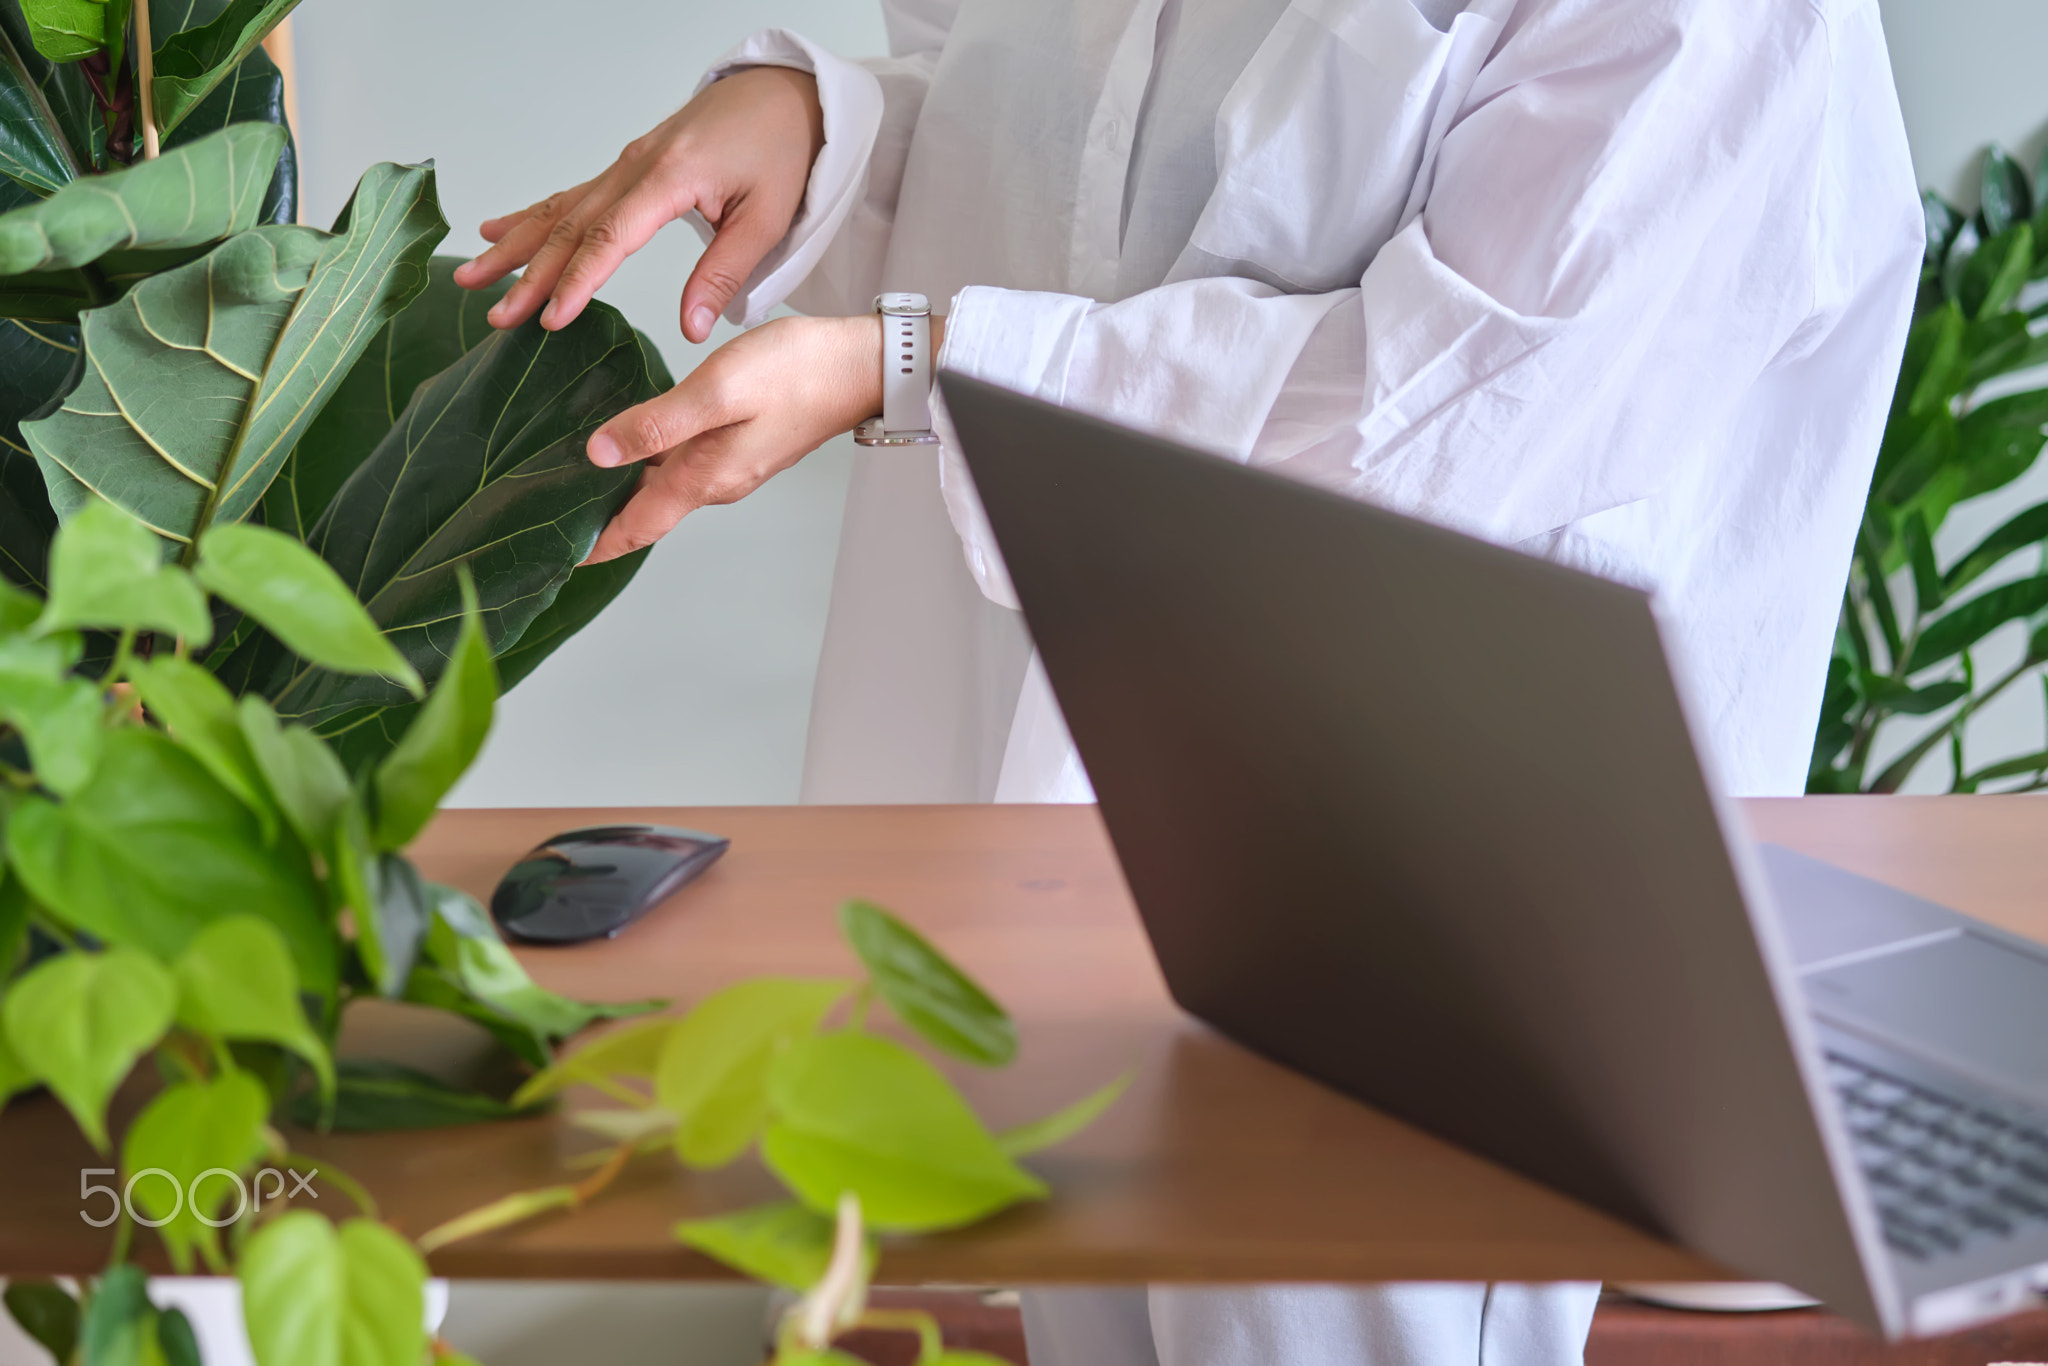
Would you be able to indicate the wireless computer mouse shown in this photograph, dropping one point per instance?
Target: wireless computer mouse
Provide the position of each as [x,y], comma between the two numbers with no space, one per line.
[590,884]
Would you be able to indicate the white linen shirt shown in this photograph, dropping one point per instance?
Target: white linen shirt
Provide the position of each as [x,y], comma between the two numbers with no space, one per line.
[1622,283]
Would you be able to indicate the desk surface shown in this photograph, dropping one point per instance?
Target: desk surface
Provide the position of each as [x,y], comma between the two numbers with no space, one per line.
[1217,1166]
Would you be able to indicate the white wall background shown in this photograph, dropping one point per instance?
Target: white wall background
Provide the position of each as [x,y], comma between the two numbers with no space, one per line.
[694,688]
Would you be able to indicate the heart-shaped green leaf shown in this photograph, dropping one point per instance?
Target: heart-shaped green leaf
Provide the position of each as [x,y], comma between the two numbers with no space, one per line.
[1061,1124]
[853,1112]
[202,378]
[297,598]
[443,739]
[59,717]
[302,773]
[200,714]
[943,1004]
[631,1051]
[388,939]
[464,951]
[373,1097]
[119,1326]
[47,1312]
[191,63]
[143,218]
[781,1243]
[106,570]
[80,1020]
[210,1128]
[315,1295]
[153,849]
[236,981]
[713,1073]
[176,1340]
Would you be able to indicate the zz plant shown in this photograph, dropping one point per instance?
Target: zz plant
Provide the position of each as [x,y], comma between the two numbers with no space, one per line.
[1966,421]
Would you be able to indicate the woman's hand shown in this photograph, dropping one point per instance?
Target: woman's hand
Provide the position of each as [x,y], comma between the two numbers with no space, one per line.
[740,154]
[756,406]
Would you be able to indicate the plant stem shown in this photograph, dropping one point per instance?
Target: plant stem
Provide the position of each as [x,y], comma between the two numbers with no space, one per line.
[145,78]
[1902,767]
[334,1176]
[124,655]
[124,1234]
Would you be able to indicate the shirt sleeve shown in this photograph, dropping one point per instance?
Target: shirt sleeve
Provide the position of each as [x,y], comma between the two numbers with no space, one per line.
[1604,264]
[830,263]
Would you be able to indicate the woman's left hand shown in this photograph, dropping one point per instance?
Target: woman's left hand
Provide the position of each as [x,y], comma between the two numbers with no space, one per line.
[756,406]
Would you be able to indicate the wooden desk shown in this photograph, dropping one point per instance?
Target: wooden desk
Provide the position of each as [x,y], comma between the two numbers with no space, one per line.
[1217,1166]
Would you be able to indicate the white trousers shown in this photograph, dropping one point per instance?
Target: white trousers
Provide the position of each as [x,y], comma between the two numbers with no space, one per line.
[1408,1324]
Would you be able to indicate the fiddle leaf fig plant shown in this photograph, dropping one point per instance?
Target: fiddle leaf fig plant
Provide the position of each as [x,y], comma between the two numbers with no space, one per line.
[1969,416]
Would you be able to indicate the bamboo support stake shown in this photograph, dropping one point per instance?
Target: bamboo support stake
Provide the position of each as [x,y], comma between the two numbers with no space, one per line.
[145,78]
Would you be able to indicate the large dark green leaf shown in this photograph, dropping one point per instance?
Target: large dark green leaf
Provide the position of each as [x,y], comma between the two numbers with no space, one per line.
[33,153]
[62,99]
[589,591]
[1996,271]
[436,330]
[133,222]
[487,470]
[1998,442]
[1944,221]
[203,378]
[2026,528]
[383,1095]
[253,93]
[190,64]
[1963,626]
[36,361]
[2005,198]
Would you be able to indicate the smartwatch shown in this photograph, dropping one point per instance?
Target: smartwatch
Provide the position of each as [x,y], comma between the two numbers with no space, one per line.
[906,417]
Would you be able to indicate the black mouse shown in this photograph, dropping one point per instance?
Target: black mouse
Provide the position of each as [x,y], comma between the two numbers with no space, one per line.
[590,884]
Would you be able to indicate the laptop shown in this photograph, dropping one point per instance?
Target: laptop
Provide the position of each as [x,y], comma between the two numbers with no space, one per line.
[1423,818]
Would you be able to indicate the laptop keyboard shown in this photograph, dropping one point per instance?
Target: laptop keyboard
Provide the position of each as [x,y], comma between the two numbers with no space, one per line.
[1947,1176]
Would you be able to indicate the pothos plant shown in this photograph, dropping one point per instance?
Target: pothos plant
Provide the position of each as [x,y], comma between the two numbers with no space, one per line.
[190,877]
[1965,422]
[866,1135]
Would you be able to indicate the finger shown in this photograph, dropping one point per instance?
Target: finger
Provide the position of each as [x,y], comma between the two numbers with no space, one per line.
[515,237]
[746,233]
[492,229]
[650,514]
[612,236]
[660,424]
[536,285]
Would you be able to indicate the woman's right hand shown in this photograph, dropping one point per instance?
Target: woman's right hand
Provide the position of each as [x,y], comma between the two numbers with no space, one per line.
[740,154]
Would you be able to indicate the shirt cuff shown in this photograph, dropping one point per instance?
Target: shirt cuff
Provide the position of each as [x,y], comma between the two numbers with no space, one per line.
[1021,341]
[851,97]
